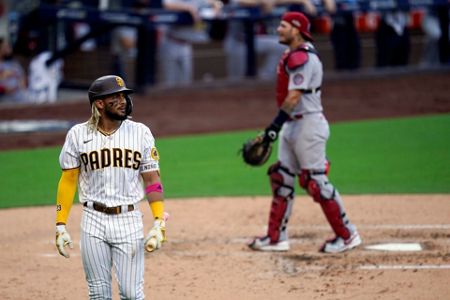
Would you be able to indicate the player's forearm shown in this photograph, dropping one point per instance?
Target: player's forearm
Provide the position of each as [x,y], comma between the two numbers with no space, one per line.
[157,208]
[67,187]
[155,198]
[154,192]
[291,101]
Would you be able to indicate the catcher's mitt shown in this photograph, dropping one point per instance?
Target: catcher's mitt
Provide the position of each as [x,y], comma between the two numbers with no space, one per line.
[256,151]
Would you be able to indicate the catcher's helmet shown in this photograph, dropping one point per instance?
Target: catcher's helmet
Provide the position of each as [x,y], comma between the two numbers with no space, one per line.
[108,85]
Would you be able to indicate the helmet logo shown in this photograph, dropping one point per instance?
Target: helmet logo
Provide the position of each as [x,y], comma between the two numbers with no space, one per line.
[296,23]
[120,82]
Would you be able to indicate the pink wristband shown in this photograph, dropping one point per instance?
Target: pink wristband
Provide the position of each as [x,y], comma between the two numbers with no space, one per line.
[155,187]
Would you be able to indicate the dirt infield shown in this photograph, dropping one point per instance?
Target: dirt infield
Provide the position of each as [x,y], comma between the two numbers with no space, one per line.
[206,256]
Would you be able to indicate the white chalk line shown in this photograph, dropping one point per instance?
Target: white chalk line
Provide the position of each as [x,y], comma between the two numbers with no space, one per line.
[377,267]
[385,226]
[404,267]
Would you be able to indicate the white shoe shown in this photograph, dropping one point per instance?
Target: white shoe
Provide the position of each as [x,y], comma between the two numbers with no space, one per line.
[340,245]
[264,244]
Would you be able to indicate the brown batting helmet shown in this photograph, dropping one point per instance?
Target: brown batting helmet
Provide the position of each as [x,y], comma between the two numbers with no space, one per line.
[108,85]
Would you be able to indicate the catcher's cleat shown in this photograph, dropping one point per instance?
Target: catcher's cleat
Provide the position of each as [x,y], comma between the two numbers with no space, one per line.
[338,244]
[264,244]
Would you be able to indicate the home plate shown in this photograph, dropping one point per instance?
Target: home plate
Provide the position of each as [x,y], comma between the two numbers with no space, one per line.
[395,247]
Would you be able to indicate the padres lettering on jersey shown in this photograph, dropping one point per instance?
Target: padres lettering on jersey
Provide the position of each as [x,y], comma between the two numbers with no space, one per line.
[110,166]
[116,157]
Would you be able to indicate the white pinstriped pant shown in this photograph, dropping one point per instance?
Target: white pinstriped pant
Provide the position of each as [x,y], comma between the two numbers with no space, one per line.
[113,242]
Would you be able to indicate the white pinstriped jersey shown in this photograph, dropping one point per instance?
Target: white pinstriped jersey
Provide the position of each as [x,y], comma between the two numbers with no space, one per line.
[110,166]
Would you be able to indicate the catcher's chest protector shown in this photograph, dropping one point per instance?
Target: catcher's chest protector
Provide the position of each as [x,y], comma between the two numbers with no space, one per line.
[290,60]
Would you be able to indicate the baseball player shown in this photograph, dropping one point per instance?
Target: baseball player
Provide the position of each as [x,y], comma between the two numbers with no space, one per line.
[302,144]
[176,47]
[114,161]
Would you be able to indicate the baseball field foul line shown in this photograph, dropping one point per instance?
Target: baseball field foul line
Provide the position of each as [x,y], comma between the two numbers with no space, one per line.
[405,267]
[386,226]
[378,267]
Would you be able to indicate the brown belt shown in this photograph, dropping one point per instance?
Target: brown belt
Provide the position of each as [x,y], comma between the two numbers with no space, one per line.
[108,210]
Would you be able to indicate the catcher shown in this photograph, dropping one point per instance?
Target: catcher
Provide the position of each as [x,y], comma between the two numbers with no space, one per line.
[303,131]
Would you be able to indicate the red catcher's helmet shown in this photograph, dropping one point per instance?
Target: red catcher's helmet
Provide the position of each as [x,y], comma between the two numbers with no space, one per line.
[299,21]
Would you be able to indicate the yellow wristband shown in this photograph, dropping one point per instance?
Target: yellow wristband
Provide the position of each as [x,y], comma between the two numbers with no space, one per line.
[157,208]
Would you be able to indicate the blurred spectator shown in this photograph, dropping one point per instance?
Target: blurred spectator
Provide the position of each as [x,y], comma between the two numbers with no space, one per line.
[432,30]
[81,29]
[124,42]
[176,53]
[344,36]
[267,46]
[78,30]
[44,77]
[392,39]
[12,75]
[123,49]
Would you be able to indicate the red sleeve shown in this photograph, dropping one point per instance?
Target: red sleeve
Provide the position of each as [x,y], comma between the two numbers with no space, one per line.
[297,59]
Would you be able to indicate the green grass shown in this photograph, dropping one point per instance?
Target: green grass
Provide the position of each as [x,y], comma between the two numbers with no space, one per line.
[388,156]
[29,177]
[392,156]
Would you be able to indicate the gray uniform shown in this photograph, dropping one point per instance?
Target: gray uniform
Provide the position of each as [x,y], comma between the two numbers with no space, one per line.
[302,151]
[302,143]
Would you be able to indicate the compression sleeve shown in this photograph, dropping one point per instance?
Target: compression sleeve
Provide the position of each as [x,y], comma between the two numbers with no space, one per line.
[67,187]
[157,208]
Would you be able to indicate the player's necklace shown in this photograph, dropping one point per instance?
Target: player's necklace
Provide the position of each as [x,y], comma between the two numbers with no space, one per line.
[108,133]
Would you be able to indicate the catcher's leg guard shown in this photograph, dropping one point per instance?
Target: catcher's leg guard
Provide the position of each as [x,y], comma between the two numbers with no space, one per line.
[282,183]
[322,191]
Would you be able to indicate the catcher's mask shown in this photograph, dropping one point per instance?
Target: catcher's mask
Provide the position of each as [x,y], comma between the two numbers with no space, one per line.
[108,85]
